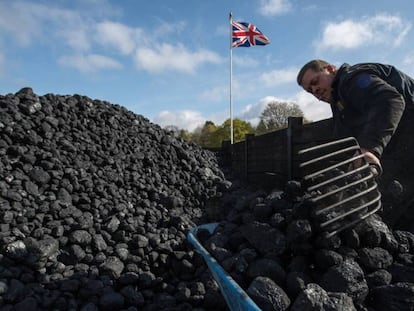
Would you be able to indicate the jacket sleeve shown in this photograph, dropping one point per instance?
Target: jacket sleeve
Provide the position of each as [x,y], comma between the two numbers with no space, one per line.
[381,104]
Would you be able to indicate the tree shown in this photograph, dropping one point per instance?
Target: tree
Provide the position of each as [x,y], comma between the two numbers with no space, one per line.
[196,134]
[240,129]
[206,134]
[261,128]
[186,135]
[275,115]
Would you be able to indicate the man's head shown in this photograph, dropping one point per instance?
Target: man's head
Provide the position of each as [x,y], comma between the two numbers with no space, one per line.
[316,77]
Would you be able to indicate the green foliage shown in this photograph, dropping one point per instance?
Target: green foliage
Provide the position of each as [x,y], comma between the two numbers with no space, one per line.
[207,134]
[261,128]
[273,117]
[212,136]
[240,129]
[184,134]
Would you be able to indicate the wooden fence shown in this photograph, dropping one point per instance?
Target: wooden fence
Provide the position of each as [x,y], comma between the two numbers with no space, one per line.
[269,160]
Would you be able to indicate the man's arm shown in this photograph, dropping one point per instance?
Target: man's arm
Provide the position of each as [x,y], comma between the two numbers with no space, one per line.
[383,106]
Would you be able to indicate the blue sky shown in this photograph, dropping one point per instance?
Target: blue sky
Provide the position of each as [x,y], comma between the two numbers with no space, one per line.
[168,60]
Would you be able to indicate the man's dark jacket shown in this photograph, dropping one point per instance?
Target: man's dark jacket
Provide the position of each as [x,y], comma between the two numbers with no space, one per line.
[370,99]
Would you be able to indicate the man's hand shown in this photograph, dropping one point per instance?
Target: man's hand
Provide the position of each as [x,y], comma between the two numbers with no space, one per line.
[373,161]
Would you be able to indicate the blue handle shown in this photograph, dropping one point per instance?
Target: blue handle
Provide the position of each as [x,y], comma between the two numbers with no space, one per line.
[236,298]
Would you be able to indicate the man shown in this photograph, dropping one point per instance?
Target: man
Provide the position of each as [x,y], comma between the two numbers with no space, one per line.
[368,101]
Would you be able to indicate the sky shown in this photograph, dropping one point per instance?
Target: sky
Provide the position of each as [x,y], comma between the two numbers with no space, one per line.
[169,60]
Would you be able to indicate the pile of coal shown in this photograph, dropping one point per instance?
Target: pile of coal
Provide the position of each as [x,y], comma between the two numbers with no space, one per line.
[95,205]
[269,246]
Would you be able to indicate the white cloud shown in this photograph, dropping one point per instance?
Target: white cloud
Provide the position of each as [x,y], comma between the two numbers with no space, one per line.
[89,63]
[77,39]
[173,57]
[86,32]
[215,94]
[347,34]
[25,22]
[245,61]
[274,7]
[183,119]
[118,36]
[277,77]
[20,23]
[312,108]
[189,119]
[251,113]
[350,34]
[166,28]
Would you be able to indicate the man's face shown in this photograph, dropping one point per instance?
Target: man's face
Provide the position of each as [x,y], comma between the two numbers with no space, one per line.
[319,83]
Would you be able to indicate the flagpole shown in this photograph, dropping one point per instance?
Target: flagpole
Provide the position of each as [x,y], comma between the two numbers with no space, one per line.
[231,78]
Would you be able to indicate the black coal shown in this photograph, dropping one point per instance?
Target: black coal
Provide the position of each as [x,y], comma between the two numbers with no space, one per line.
[283,263]
[96,203]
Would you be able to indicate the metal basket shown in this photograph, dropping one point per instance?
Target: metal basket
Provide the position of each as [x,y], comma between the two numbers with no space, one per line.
[341,195]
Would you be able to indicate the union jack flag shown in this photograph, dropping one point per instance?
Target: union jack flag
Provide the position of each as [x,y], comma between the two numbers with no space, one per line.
[246,34]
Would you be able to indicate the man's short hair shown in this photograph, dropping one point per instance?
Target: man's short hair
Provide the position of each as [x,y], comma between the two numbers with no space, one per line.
[314,65]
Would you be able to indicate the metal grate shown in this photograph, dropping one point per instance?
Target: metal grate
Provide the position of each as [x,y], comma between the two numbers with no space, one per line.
[340,195]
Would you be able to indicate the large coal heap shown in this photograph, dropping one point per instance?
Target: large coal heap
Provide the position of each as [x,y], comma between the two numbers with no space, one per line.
[95,205]
[271,247]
